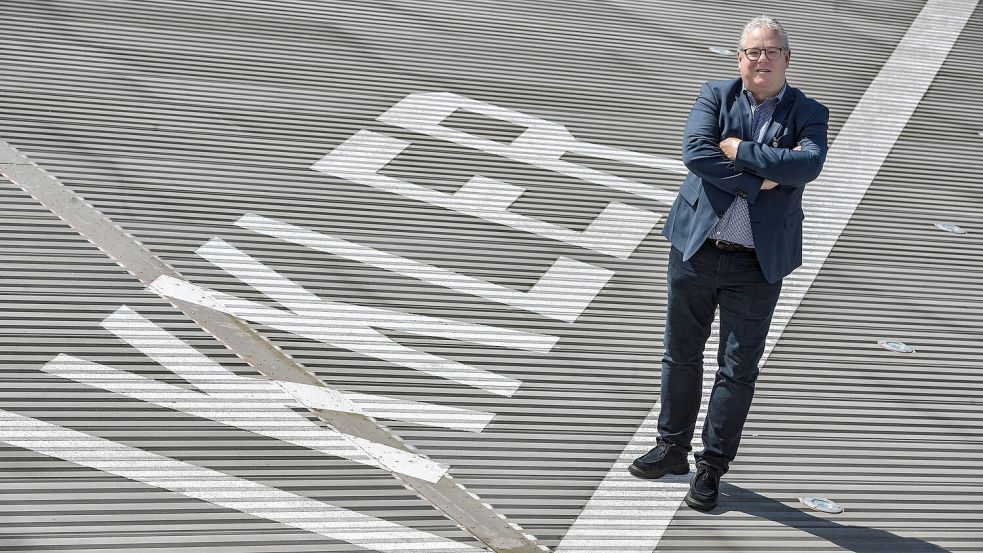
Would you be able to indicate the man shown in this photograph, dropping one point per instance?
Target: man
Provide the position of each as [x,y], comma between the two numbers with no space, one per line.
[751,144]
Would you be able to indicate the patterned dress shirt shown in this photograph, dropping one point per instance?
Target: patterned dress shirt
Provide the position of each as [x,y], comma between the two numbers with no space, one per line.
[735,223]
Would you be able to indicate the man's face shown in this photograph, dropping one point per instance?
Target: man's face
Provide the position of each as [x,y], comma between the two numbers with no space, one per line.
[763,77]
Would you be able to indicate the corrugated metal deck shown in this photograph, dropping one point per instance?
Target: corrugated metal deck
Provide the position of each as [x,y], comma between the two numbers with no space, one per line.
[176,118]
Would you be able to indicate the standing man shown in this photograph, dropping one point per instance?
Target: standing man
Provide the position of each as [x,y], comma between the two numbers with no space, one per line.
[751,145]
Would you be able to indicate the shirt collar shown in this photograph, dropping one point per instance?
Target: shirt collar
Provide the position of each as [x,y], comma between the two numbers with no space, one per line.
[780,95]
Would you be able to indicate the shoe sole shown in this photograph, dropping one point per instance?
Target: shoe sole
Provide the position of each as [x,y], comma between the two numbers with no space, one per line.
[699,505]
[640,473]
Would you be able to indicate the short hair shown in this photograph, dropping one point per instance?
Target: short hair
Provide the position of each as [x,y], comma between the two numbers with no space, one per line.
[764,21]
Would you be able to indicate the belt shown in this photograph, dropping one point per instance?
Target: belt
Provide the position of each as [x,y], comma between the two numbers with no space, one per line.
[726,246]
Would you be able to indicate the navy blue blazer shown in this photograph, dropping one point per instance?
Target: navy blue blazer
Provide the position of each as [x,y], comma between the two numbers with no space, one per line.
[714,180]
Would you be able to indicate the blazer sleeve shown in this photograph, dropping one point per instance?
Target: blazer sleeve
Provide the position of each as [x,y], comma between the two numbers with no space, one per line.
[702,154]
[783,165]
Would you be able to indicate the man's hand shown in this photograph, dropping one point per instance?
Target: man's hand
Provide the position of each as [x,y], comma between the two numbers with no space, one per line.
[729,147]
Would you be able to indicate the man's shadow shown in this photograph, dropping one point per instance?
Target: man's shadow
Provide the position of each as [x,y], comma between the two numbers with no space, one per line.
[858,539]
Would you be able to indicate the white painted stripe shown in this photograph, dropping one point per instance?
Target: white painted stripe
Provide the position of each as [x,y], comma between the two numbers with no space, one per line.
[562,293]
[332,329]
[266,418]
[860,149]
[220,489]
[176,356]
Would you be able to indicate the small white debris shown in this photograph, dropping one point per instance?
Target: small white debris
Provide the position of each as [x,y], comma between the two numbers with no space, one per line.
[949,227]
[722,51]
[896,345]
[821,504]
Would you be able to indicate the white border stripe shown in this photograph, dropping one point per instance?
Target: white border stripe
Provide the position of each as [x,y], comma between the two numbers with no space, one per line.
[860,149]
[220,489]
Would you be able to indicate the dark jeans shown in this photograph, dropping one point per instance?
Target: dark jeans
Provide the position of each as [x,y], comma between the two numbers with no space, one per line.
[734,282]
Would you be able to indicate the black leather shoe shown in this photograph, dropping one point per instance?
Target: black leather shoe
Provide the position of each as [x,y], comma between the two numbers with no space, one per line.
[663,458]
[704,488]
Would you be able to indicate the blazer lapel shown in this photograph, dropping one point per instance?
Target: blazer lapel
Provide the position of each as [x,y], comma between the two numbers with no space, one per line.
[744,115]
[780,117]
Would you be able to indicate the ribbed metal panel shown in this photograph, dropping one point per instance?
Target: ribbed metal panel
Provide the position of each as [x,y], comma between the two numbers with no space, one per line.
[174,119]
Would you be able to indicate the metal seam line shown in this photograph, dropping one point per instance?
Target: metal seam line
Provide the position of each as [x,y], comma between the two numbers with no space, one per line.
[858,153]
[447,495]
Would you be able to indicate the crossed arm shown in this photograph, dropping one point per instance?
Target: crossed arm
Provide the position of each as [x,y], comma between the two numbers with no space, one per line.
[729,147]
[743,166]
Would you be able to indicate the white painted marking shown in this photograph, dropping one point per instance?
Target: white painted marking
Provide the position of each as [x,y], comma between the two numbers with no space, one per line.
[354,335]
[562,293]
[220,489]
[857,155]
[263,417]
[221,383]
[542,144]
[616,231]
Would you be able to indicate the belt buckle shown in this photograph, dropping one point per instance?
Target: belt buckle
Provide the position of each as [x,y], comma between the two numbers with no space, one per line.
[726,246]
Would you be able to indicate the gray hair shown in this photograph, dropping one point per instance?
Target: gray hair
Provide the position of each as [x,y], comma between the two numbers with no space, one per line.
[764,21]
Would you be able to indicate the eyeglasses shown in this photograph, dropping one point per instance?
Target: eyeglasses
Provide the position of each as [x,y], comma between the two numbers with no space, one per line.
[754,54]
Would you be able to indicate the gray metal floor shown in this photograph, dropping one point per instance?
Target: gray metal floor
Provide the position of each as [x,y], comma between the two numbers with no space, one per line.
[176,118]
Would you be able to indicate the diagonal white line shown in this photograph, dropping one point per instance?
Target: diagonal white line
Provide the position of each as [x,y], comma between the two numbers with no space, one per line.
[860,149]
[227,491]
[173,354]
